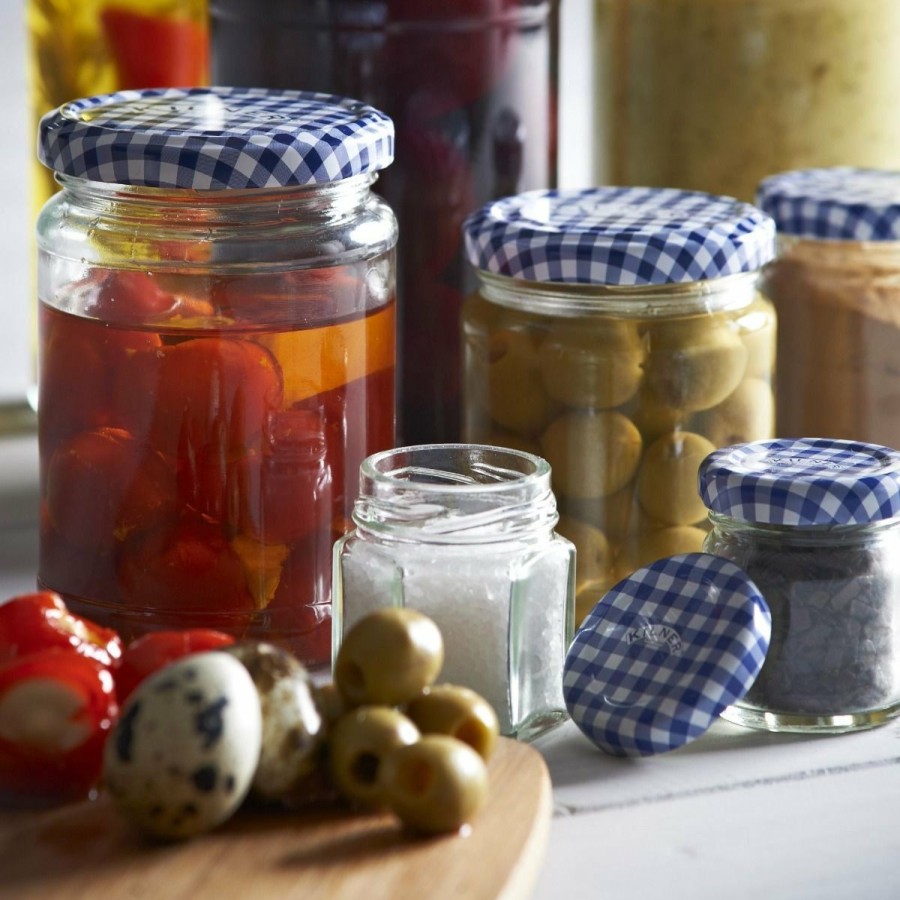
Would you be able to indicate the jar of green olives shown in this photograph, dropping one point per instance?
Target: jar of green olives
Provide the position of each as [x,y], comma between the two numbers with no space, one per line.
[465,534]
[619,334]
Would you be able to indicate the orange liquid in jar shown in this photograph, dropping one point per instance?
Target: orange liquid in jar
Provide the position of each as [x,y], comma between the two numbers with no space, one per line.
[197,465]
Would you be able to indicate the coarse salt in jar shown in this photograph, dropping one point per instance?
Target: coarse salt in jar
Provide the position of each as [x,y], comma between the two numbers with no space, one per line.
[836,288]
[217,354]
[815,524]
[464,534]
[619,334]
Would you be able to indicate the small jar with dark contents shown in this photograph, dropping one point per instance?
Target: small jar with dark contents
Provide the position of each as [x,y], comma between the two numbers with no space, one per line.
[815,524]
[216,286]
[619,334]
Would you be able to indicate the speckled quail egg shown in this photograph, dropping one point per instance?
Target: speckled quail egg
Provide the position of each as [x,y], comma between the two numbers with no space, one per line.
[292,726]
[185,749]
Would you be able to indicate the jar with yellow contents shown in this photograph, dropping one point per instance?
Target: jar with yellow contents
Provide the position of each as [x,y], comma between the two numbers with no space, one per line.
[619,334]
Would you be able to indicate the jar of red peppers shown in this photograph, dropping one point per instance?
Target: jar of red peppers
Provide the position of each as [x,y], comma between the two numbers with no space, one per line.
[471,86]
[217,354]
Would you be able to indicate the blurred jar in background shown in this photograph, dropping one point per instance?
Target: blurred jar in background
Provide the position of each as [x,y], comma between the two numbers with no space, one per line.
[714,96]
[471,87]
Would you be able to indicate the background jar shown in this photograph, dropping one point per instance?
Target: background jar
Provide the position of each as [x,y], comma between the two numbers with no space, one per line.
[836,287]
[464,534]
[217,355]
[715,96]
[815,524]
[471,88]
[585,344]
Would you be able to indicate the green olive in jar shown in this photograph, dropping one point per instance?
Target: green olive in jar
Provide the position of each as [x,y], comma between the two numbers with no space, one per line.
[591,454]
[652,544]
[757,330]
[694,363]
[590,363]
[667,481]
[591,547]
[616,514]
[748,414]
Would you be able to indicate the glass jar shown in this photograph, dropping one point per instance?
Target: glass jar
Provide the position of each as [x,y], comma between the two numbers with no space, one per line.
[619,334]
[471,87]
[836,287]
[464,534]
[815,524]
[714,96]
[216,291]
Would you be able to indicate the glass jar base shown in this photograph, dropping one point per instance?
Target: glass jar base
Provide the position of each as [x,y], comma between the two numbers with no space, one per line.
[539,724]
[808,723]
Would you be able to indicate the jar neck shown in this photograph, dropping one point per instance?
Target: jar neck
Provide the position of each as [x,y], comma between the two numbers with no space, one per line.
[808,535]
[322,203]
[643,301]
[455,494]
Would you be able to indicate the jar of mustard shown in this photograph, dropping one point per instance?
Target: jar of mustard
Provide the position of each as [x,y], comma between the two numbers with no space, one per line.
[217,353]
[619,334]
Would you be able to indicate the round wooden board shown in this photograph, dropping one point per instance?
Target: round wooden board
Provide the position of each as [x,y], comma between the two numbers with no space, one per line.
[87,850]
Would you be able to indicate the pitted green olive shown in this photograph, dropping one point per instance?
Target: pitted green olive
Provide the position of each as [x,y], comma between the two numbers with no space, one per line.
[458,712]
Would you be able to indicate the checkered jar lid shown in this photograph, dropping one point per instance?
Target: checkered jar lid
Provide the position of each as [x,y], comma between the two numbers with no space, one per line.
[808,481]
[215,138]
[618,236]
[664,652]
[839,203]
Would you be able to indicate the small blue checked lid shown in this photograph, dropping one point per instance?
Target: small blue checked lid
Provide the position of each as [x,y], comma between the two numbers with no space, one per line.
[808,481]
[618,236]
[839,203]
[664,652]
[215,138]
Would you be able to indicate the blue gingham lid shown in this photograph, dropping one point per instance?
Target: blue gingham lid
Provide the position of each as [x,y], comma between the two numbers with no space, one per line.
[839,203]
[808,481]
[664,652]
[215,138]
[618,236]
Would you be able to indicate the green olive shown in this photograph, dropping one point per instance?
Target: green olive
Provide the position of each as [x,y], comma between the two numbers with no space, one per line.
[653,544]
[695,363]
[499,437]
[653,418]
[757,329]
[616,515]
[591,454]
[435,785]
[458,712]
[667,482]
[359,743]
[389,656]
[591,363]
[747,414]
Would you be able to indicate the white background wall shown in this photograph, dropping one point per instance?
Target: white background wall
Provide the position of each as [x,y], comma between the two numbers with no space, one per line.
[17,147]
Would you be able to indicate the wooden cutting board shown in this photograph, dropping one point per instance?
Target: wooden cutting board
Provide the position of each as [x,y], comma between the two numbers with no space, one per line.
[86,850]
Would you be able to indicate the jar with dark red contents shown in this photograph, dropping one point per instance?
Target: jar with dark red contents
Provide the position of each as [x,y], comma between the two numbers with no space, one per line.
[217,354]
[471,86]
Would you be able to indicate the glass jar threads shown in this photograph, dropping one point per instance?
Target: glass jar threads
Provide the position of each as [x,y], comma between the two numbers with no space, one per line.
[836,287]
[471,87]
[815,523]
[619,334]
[464,534]
[216,290]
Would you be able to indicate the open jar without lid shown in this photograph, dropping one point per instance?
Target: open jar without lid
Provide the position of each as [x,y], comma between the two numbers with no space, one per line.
[216,285]
[815,524]
[464,534]
[836,288]
[619,334]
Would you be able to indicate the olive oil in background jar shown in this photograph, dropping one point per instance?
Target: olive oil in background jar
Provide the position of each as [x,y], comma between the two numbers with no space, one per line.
[471,87]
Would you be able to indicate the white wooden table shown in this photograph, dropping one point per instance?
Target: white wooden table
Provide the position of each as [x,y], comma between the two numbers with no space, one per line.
[735,815]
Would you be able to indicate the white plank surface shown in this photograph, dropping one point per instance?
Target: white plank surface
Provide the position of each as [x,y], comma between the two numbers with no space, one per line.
[735,815]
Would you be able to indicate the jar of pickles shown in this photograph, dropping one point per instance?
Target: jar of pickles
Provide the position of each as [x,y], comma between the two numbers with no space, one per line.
[217,354]
[836,289]
[619,333]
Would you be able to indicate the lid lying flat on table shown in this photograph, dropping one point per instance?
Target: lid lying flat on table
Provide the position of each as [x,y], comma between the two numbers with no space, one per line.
[619,236]
[839,203]
[664,652]
[215,138]
[803,482]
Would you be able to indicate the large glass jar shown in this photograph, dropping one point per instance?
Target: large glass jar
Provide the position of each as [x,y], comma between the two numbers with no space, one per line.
[619,334]
[216,292]
[715,95]
[471,87]
[464,534]
[815,524]
[836,287]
